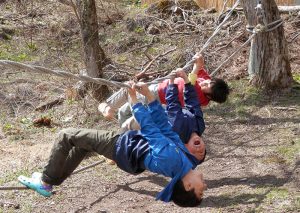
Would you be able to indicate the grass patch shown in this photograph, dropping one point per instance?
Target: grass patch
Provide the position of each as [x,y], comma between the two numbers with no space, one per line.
[290,151]
[296,77]
[297,202]
[276,194]
[14,175]
[9,52]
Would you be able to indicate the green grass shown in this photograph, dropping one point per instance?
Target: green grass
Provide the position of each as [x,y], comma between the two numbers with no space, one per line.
[8,52]
[14,175]
[139,29]
[296,77]
[277,193]
[297,201]
[290,151]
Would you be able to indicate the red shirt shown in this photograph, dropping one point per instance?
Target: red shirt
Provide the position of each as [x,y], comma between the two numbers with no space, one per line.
[202,75]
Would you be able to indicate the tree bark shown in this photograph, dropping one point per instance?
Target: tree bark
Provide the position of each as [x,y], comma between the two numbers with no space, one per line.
[93,53]
[269,61]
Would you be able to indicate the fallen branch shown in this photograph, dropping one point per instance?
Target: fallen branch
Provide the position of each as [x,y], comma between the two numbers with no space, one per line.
[282,9]
[286,108]
[51,104]
[141,74]
[75,172]
[9,204]
[287,9]
[297,33]
[239,35]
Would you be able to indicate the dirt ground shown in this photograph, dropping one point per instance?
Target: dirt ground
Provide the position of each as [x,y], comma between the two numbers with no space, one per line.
[253,140]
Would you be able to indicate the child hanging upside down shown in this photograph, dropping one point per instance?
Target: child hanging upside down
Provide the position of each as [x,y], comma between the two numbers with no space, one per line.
[207,89]
[155,148]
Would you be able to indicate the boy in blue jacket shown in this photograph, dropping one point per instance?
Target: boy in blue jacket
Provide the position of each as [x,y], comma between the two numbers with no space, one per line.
[186,121]
[155,148]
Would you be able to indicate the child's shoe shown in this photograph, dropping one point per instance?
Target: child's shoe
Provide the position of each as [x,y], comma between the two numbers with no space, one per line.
[35,183]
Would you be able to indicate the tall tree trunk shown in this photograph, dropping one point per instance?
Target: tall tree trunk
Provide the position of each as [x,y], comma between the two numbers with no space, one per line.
[269,61]
[93,53]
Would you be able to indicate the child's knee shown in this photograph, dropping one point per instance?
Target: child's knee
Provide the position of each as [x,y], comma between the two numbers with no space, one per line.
[66,134]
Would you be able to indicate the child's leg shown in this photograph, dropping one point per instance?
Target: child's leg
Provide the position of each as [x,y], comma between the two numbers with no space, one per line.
[125,118]
[113,103]
[71,148]
[154,89]
[124,113]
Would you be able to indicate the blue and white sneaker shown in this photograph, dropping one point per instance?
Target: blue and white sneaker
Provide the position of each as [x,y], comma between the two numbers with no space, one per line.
[35,184]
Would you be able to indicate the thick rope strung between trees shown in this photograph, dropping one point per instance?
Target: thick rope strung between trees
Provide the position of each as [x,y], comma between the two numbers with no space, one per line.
[43,70]
[207,43]
[258,29]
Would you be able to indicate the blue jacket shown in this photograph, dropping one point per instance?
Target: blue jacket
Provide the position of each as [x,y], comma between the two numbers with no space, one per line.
[165,154]
[185,120]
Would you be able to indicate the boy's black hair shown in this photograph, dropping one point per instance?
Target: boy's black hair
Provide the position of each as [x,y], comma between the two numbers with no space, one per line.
[184,198]
[219,90]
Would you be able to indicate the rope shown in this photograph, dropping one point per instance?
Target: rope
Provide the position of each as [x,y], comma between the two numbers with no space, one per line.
[75,172]
[267,27]
[102,81]
[220,26]
[233,54]
[43,70]
[207,43]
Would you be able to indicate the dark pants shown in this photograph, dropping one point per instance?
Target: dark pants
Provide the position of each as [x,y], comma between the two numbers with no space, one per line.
[71,147]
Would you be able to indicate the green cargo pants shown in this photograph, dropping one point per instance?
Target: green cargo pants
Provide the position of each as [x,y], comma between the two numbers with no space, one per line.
[71,147]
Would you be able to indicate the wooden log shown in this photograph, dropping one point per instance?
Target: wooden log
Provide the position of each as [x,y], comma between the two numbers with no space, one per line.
[282,9]
[287,9]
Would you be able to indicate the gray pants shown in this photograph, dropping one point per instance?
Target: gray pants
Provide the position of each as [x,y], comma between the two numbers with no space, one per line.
[71,147]
[119,102]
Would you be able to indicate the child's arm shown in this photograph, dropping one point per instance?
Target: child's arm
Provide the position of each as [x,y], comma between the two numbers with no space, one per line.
[174,109]
[198,70]
[148,128]
[157,112]
[198,64]
[192,104]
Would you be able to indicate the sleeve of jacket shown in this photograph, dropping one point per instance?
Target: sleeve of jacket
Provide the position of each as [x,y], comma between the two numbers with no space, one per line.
[174,108]
[192,104]
[149,129]
[160,118]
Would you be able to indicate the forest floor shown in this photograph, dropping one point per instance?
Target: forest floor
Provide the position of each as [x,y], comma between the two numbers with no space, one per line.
[253,140]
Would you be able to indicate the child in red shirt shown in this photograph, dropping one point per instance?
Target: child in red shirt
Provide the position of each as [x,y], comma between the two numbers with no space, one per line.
[206,87]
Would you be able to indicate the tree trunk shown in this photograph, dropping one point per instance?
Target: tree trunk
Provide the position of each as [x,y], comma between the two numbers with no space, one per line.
[93,54]
[269,61]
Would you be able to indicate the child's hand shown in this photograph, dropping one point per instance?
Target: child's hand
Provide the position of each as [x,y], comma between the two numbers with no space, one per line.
[181,73]
[198,64]
[143,89]
[132,93]
[172,76]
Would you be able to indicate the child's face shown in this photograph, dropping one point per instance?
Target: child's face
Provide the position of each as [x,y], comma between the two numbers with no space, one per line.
[194,180]
[206,86]
[196,146]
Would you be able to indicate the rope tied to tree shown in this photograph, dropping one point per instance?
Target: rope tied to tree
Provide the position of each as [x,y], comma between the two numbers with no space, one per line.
[209,40]
[101,81]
